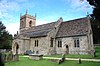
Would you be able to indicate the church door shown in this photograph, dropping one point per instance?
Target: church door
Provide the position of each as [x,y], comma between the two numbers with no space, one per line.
[67,49]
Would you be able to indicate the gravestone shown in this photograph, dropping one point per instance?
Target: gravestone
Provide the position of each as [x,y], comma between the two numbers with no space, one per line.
[62,59]
[1,59]
[35,56]
[28,52]
[15,57]
[5,57]
[79,61]
[94,53]
[10,56]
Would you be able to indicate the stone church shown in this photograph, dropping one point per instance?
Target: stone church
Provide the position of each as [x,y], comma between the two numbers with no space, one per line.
[68,37]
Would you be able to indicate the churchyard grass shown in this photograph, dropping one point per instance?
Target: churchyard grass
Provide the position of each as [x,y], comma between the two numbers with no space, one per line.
[25,61]
[97,52]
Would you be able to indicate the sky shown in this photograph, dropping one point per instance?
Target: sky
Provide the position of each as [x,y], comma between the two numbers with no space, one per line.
[46,11]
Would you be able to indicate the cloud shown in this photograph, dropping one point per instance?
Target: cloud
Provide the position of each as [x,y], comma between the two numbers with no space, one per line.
[77,3]
[21,0]
[7,8]
[78,6]
[12,28]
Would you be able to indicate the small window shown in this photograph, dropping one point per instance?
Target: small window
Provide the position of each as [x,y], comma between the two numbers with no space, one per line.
[51,44]
[59,43]
[76,42]
[36,43]
[30,24]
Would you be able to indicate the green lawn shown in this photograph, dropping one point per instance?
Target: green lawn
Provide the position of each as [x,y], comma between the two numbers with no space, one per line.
[97,52]
[27,62]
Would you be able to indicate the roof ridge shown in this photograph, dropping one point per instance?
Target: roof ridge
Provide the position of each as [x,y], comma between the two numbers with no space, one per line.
[43,24]
[76,19]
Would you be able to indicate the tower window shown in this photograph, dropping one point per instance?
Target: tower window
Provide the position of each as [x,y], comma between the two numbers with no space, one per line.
[30,24]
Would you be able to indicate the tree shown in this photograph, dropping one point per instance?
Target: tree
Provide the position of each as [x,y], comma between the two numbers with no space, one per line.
[95,19]
[96,8]
[5,38]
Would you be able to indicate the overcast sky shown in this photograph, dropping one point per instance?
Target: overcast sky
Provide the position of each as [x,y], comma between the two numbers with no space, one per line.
[47,11]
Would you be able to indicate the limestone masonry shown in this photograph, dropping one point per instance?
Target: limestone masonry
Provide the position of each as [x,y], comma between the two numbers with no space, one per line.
[59,37]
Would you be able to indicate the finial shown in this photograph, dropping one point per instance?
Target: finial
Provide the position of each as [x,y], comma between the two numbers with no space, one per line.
[17,32]
[26,11]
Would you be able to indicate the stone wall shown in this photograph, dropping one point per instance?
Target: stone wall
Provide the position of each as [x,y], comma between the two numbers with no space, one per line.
[45,49]
[83,49]
[28,19]
[16,41]
[43,45]
[23,45]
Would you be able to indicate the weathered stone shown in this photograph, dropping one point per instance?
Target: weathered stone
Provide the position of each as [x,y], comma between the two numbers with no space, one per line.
[35,56]
[79,61]
[28,52]
[62,59]
[1,59]
[15,57]
[5,57]
[59,30]
[10,57]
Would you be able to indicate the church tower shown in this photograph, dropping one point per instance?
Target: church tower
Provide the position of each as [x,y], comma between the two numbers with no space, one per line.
[26,21]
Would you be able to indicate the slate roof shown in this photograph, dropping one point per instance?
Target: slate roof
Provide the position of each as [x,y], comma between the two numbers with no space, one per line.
[67,28]
[41,30]
[73,27]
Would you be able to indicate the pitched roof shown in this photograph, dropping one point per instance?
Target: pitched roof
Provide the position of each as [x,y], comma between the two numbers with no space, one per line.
[73,27]
[41,30]
[67,28]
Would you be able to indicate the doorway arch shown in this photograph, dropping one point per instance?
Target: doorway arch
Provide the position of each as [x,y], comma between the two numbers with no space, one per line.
[15,48]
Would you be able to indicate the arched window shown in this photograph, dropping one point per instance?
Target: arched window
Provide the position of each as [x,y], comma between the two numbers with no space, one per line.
[59,43]
[30,24]
[51,44]
[76,42]
[36,43]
